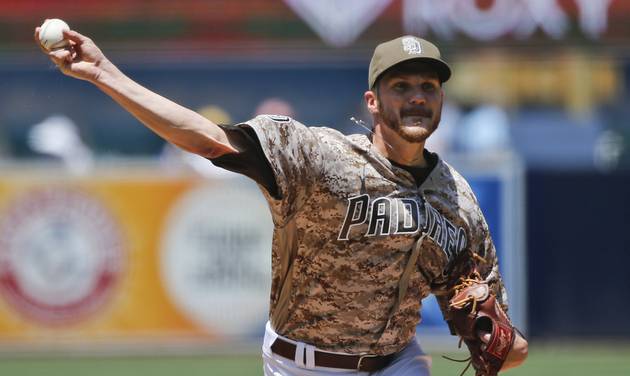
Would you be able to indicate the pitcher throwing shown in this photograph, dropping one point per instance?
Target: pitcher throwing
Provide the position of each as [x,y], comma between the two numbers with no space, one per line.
[365,226]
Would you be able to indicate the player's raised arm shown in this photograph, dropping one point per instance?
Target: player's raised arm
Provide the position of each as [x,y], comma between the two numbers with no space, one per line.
[181,126]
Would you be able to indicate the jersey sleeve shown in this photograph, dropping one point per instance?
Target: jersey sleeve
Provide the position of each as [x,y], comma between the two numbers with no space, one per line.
[487,265]
[250,161]
[292,152]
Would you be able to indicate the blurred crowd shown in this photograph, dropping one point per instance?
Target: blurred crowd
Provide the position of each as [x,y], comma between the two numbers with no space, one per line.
[544,80]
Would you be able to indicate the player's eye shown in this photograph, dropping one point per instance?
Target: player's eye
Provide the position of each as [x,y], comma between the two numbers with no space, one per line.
[429,87]
[400,86]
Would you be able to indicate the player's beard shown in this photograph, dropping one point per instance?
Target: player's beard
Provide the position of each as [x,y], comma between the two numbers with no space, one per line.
[413,125]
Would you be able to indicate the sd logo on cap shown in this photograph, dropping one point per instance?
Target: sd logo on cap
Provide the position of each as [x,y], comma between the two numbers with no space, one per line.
[405,48]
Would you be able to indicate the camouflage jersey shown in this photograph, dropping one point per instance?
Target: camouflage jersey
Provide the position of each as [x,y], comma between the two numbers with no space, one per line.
[345,224]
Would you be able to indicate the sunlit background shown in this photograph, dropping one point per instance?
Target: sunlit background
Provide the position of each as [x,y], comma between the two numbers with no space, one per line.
[120,254]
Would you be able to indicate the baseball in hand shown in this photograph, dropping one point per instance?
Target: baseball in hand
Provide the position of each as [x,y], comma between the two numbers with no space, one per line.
[51,34]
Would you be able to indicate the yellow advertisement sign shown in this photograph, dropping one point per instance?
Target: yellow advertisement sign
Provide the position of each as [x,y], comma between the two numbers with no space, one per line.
[131,259]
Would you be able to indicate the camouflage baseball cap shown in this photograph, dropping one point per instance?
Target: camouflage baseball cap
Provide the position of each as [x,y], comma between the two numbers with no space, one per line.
[405,48]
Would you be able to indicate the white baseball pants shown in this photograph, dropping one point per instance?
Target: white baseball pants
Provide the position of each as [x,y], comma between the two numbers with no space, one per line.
[411,361]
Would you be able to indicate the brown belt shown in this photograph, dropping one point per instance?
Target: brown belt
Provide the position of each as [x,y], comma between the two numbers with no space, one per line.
[364,363]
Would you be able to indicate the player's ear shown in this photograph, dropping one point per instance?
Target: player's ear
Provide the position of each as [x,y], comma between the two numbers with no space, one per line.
[371,101]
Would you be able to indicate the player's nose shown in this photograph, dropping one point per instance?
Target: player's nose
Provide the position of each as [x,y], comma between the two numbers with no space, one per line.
[417,97]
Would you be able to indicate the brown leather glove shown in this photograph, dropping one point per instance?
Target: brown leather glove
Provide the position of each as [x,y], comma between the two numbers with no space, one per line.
[473,309]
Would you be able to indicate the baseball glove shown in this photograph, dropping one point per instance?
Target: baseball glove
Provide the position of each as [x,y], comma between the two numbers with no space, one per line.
[474,309]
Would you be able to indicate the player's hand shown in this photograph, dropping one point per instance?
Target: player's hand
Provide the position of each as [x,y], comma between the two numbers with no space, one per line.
[484,336]
[517,354]
[82,59]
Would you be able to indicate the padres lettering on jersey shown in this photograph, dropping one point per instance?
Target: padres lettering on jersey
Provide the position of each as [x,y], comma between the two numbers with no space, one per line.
[344,227]
[380,215]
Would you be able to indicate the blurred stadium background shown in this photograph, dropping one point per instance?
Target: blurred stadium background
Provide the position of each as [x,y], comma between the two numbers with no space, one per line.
[122,255]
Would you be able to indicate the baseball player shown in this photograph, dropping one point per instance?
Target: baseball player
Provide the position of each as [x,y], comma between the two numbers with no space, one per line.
[365,226]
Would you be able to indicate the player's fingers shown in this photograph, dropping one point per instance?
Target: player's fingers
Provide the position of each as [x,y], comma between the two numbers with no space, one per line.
[36,36]
[61,57]
[484,336]
[61,53]
[76,37]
